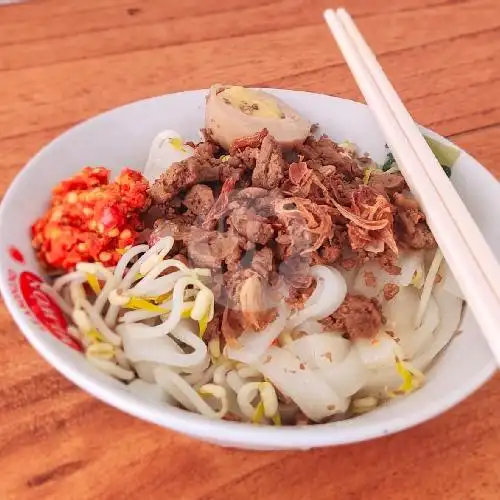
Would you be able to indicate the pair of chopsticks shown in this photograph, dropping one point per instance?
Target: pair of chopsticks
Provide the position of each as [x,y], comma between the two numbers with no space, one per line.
[464,247]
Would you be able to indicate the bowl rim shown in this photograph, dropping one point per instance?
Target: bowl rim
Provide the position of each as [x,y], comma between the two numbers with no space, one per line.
[199,426]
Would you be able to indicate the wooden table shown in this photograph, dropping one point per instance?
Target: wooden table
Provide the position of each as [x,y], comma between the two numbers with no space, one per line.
[62,61]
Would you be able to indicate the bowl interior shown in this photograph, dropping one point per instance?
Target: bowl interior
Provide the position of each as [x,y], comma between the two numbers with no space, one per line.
[122,138]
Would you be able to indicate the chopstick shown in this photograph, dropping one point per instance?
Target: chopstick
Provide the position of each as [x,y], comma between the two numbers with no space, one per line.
[464,248]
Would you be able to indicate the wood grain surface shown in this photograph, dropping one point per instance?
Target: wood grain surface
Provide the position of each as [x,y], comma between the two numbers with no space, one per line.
[62,61]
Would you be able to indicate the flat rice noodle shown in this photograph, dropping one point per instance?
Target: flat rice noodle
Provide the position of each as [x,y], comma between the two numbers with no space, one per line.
[199,368]
[175,385]
[199,379]
[379,352]
[164,350]
[409,262]
[329,293]
[319,349]
[252,345]
[310,327]
[347,376]
[400,319]
[423,335]
[359,285]
[450,310]
[304,386]
[379,382]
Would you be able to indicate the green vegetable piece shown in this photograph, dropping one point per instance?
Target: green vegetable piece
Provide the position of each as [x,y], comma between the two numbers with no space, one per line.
[447,170]
[445,155]
[388,162]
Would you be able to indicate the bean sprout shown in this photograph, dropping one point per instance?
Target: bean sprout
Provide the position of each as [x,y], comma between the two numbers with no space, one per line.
[221,372]
[267,395]
[214,348]
[183,392]
[428,286]
[218,392]
[111,368]
[234,381]
[64,280]
[94,312]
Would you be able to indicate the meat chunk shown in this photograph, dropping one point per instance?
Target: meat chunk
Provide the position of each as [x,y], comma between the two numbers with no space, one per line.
[371,221]
[206,148]
[199,199]
[330,253]
[327,152]
[370,279]
[405,202]
[266,205]
[358,316]
[219,208]
[214,326]
[251,193]
[300,179]
[421,238]
[411,229]
[179,228]
[295,239]
[297,297]
[251,141]
[339,189]
[252,226]
[210,248]
[387,183]
[270,165]
[238,166]
[390,291]
[243,159]
[296,272]
[262,262]
[181,258]
[182,175]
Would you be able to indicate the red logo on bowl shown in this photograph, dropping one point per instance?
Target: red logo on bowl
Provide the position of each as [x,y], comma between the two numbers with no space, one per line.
[16,255]
[46,311]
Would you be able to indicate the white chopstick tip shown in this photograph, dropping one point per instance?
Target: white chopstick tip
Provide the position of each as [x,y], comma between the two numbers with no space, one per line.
[333,17]
[329,15]
[332,21]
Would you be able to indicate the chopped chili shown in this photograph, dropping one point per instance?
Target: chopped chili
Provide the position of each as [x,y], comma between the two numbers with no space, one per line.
[90,219]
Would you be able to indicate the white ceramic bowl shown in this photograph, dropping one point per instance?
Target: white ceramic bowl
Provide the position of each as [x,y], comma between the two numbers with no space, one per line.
[122,137]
